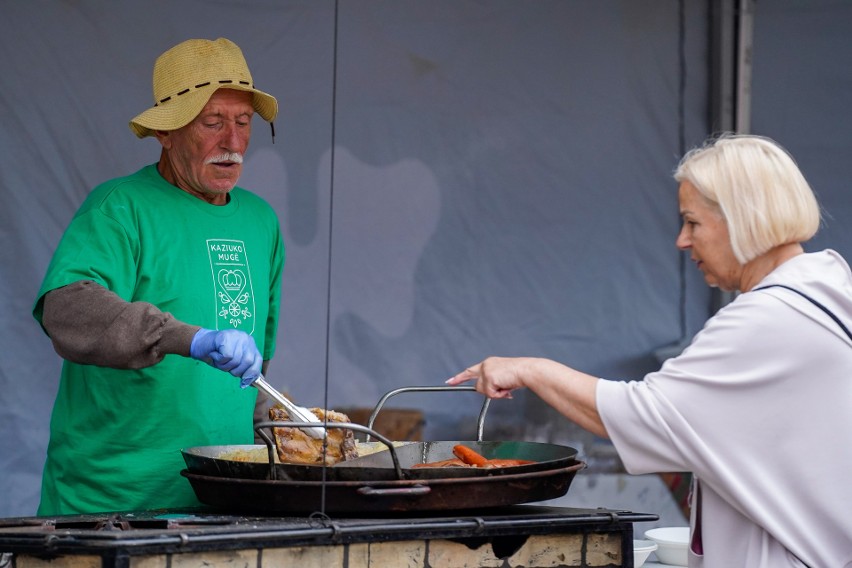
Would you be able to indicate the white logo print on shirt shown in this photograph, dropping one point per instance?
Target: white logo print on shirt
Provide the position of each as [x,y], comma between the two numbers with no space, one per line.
[232,284]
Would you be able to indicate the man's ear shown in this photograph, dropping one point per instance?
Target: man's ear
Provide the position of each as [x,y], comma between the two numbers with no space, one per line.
[164,138]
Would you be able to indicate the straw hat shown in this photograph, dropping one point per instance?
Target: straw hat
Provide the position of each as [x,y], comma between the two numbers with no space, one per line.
[188,74]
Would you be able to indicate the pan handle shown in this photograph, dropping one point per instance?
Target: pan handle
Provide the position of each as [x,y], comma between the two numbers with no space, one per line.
[412,491]
[480,423]
[270,448]
[270,442]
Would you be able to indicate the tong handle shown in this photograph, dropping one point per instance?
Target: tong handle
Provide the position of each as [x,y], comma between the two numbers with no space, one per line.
[297,413]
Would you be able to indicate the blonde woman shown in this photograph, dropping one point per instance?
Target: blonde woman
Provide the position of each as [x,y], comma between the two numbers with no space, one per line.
[759,406]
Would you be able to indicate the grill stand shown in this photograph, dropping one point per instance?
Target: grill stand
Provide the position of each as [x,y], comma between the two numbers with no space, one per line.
[524,535]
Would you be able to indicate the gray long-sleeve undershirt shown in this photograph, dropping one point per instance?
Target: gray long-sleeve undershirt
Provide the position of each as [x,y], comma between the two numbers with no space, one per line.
[91,325]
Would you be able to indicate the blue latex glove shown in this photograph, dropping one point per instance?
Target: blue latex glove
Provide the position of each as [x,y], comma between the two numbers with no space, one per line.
[228,350]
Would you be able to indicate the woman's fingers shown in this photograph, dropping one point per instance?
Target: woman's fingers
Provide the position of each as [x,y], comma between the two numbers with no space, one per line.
[485,382]
[469,374]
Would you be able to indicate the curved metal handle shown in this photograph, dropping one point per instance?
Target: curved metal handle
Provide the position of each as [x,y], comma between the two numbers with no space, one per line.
[270,441]
[480,423]
[412,491]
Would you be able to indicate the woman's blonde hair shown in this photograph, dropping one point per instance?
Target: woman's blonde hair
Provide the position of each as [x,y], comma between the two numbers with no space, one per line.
[758,188]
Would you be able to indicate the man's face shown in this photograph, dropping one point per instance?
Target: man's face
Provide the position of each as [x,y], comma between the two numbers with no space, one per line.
[205,157]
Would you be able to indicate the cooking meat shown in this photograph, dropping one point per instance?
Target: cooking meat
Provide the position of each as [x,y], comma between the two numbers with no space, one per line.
[295,446]
[454,462]
[469,458]
[487,464]
[506,463]
[468,455]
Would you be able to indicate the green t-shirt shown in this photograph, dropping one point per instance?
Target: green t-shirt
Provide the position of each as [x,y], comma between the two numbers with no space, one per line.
[116,435]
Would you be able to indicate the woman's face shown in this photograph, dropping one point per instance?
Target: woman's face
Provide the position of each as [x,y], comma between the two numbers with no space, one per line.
[705,235]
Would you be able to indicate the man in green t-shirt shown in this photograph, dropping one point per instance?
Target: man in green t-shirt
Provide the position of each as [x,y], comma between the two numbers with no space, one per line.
[164,279]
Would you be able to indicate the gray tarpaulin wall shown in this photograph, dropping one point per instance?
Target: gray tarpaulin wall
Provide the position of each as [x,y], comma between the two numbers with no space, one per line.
[499,173]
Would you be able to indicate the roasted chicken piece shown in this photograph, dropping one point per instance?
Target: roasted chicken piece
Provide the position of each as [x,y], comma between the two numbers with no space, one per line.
[295,446]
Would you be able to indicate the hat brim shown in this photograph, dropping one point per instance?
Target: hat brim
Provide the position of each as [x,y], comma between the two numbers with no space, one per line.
[180,112]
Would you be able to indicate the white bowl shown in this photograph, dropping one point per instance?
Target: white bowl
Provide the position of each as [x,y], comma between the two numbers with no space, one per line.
[642,549]
[672,543]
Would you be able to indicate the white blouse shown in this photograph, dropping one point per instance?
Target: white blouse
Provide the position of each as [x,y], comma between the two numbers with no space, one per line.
[759,408]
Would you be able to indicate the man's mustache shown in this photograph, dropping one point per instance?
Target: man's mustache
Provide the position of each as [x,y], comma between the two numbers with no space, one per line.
[227,157]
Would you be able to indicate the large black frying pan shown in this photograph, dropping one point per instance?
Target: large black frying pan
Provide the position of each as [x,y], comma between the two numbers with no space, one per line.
[366,497]
[381,481]
[225,461]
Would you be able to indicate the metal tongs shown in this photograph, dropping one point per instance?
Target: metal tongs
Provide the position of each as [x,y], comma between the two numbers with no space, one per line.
[297,413]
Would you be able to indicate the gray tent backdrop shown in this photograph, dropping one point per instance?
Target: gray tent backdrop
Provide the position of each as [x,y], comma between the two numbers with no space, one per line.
[455,179]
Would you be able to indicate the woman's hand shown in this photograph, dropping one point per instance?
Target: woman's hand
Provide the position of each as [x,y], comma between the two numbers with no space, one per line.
[570,392]
[496,377]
